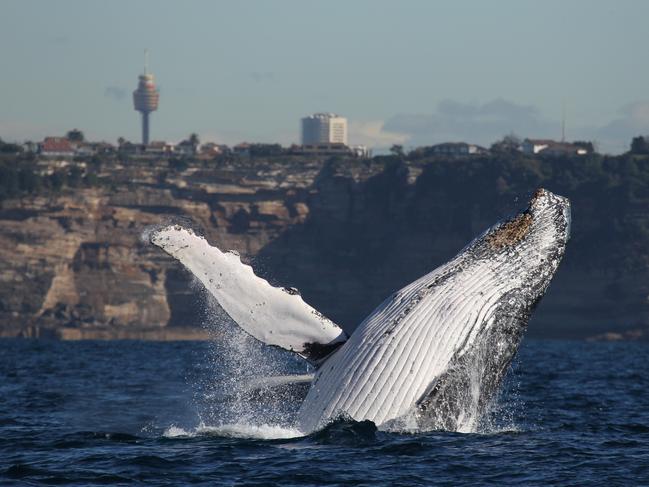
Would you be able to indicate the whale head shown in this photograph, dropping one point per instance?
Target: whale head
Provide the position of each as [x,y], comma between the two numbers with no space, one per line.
[524,251]
[520,256]
[508,269]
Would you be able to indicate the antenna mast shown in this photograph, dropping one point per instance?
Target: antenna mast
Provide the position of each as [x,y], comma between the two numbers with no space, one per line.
[563,120]
[146,61]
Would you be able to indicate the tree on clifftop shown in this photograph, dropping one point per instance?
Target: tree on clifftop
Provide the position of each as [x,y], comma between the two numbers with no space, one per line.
[585,144]
[639,145]
[9,148]
[397,150]
[509,144]
[75,135]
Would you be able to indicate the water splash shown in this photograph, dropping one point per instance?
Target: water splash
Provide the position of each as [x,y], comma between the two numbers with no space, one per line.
[233,397]
[230,401]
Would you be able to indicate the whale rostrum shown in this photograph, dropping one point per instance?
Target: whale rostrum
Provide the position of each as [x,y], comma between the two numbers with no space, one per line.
[434,352]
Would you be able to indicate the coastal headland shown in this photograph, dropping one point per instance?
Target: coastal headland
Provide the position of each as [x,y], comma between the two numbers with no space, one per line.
[346,231]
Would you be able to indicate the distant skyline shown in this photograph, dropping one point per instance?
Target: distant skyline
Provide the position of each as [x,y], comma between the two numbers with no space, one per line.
[411,72]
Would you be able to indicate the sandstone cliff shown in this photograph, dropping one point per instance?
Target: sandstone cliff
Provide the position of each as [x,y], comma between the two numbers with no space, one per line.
[75,264]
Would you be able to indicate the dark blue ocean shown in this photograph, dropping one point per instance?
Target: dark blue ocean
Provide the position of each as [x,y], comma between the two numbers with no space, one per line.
[125,413]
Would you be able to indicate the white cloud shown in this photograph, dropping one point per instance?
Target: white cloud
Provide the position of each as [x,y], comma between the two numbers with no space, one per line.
[615,137]
[472,122]
[487,122]
[373,134]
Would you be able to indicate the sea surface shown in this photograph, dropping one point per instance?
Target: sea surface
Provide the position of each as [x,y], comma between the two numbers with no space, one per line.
[128,413]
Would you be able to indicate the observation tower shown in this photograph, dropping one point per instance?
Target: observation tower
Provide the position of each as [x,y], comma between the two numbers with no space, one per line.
[145,99]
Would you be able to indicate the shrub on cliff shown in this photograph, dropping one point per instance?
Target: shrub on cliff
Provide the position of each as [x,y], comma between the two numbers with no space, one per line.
[24,178]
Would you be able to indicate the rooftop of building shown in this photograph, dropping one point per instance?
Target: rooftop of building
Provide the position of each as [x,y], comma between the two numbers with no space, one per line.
[323,115]
[56,144]
[541,141]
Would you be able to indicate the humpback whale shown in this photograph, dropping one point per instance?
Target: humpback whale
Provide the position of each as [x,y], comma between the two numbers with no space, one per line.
[433,352]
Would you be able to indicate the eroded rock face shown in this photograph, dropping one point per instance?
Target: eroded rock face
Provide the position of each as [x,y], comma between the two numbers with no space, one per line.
[75,264]
[79,259]
[78,262]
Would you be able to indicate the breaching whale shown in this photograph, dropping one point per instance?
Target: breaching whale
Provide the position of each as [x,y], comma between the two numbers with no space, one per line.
[434,351]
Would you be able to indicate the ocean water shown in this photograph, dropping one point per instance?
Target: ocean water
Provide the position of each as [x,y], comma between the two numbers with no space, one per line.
[125,413]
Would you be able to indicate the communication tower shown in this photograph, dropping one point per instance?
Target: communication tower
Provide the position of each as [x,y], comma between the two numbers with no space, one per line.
[145,99]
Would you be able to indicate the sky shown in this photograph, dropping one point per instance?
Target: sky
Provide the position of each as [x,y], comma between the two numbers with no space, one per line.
[412,72]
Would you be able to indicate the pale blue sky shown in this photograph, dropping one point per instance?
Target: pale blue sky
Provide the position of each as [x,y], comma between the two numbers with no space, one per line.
[416,72]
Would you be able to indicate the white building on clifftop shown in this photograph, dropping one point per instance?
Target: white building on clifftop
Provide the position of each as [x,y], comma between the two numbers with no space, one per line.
[324,128]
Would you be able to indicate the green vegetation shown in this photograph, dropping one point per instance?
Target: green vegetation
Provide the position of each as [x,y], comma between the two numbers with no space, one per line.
[9,148]
[178,164]
[640,145]
[25,178]
[265,150]
[75,135]
[508,145]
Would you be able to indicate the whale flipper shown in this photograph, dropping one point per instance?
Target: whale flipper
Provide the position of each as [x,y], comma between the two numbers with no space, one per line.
[272,315]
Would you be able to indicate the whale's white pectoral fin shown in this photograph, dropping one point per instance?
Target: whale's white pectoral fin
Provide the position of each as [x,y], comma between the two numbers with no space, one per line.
[272,315]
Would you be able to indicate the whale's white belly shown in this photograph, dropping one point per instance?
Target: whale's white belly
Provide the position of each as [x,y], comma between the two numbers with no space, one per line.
[390,361]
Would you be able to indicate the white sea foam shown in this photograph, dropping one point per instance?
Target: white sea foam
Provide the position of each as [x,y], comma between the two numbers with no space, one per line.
[236,430]
[176,432]
[241,430]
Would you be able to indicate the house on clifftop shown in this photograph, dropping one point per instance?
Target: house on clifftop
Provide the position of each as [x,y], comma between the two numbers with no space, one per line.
[547,147]
[457,149]
[56,147]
